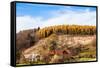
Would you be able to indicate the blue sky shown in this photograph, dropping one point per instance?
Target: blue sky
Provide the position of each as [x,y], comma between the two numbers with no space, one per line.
[38,15]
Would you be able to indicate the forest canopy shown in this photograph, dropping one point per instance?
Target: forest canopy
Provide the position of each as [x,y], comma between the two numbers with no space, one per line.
[67,29]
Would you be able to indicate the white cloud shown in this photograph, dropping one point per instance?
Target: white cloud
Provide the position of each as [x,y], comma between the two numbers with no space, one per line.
[79,18]
[27,22]
[70,17]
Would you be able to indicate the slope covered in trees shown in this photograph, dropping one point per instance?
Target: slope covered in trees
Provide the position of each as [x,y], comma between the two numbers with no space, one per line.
[65,40]
[67,29]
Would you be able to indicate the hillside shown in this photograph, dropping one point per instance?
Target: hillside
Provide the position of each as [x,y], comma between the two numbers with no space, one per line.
[66,48]
[56,44]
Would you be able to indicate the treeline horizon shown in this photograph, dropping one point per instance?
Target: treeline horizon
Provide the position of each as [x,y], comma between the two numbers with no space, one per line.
[67,29]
